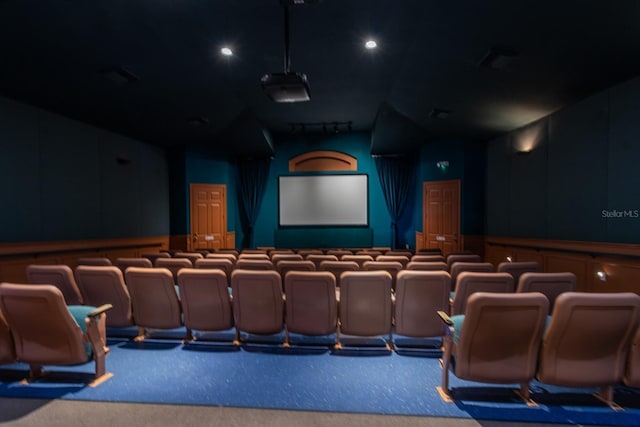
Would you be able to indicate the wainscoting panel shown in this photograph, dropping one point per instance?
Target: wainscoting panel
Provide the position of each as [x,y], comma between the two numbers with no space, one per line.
[15,257]
[599,267]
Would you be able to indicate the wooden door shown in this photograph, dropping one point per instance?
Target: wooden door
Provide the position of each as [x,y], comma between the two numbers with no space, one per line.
[441,215]
[208,216]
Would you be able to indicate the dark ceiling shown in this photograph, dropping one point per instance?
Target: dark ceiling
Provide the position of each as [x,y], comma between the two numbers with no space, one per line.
[55,54]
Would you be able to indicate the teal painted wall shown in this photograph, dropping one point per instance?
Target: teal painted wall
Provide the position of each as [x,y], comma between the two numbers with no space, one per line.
[467,163]
[61,180]
[583,162]
[288,146]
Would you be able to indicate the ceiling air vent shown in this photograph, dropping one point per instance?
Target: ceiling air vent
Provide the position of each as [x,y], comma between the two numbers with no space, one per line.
[498,58]
[119,75]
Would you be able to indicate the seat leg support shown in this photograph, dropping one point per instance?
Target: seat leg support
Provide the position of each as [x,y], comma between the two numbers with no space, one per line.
[142,334]
[525,395]
[286,343]
[189,336]
[445,362]
[338,344]
[606,396]
[390,345]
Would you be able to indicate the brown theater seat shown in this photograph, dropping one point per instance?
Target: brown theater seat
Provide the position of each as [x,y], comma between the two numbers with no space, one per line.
[276,258]
[284,266]
[217,263]
[471,282]
[458,267]
[251,255]
[206,304]
[105,285]
[174,265]
[402,259]
[154,256]
[632,373]
[258,302]
[360,259]
[452,258]
[419,296]
[338,267]
[365,305]
[123,263]
[318,258]
[94,261]
[254,264]
[427,258]
[428,266]
[587,341]
[311,307]
[216,255]
[7,349]
[518,268]
[392,267]
[63,331]
[60,276]
[496,341]
[154,299]
[549,284]
[191,256]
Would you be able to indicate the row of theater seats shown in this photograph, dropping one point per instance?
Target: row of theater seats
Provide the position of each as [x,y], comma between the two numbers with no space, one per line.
[103,285]
[308,260]
[310,305]
[148,300]
[132,302]
[590,340]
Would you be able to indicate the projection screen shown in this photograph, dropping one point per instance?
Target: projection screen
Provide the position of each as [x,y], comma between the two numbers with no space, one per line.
[337,200]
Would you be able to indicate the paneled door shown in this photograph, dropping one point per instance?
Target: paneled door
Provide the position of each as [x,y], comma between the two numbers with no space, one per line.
[441,215]
[208,216]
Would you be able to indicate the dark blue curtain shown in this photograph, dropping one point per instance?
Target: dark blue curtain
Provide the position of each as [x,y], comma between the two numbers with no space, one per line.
[396,178]
[252,179]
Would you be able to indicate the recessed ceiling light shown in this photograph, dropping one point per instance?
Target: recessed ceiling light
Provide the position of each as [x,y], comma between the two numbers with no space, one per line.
[226,51]
[371,44]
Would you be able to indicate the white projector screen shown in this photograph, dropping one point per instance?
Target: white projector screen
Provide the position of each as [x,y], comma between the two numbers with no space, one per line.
[323,200]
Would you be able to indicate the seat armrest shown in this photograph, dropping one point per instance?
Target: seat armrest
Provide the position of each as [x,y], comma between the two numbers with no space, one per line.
[99,310]
[445,318]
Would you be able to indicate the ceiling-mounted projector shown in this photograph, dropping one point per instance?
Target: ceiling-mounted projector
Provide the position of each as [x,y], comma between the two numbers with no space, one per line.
[286,87]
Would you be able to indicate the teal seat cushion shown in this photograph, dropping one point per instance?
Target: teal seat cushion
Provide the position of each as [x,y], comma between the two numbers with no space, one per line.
[457,320]
[79,313]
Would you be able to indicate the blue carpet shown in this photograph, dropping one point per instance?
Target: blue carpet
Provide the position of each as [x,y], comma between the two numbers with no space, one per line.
[363,380]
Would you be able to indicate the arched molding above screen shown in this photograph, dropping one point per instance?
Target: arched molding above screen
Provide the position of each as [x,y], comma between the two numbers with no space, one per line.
[323,161]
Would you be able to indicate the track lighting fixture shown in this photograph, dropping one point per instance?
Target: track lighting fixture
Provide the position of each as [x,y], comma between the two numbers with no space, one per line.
[336,127]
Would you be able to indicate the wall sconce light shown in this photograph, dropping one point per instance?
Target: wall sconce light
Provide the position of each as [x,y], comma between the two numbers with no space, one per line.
[442,165]
[509,259]
[601,275]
